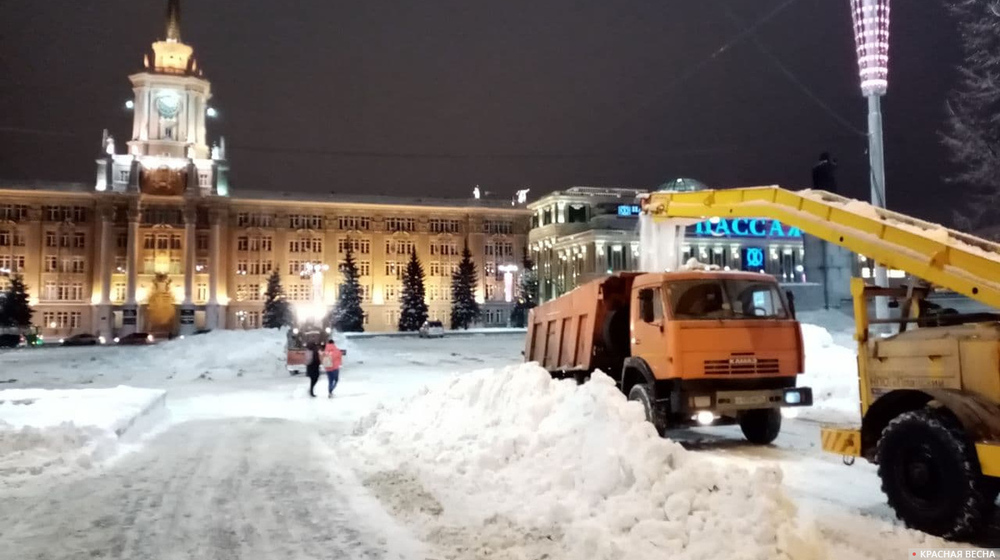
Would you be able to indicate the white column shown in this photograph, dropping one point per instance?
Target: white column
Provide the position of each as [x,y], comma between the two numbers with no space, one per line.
[213,313]
[130,312]
[106,261]
[187,308]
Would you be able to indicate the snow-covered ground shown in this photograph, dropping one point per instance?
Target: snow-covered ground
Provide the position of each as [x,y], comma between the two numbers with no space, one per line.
[441,448]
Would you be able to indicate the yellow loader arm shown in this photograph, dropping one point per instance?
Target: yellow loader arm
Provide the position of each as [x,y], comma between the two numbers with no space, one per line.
[947,258]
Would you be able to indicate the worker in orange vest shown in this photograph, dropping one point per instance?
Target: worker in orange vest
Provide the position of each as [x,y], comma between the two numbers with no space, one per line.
[332,358]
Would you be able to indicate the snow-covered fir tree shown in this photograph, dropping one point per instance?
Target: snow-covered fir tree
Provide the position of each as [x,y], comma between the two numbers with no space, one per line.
[972,126]
[464,309]
[349,316]
[15,309]
[413,304]
[277,311]
[527,296]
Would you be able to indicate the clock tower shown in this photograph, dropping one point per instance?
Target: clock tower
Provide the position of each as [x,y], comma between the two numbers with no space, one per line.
[169,152]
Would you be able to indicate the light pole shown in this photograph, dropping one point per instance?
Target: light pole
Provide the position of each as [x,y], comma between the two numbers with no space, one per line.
[871,36]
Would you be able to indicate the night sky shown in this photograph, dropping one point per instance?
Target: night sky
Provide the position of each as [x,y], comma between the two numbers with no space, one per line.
[434,97]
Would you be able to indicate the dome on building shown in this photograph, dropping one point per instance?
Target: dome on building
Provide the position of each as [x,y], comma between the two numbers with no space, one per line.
[682,184]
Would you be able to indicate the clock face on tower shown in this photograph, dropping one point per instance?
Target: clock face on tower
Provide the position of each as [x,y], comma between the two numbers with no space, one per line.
[168,105]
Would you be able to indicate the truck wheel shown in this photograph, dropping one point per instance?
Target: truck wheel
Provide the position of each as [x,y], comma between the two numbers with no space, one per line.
[641,394]
[931,474]
[761,426]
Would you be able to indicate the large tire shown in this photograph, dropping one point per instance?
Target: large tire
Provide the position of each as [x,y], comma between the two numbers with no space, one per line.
[930,473]
[640,393]
[761,426]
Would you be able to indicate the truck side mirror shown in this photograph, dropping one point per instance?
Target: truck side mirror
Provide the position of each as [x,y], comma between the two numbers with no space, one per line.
[791,302]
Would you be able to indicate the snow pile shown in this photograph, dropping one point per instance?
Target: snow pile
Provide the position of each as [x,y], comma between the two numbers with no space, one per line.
[572,471]
[55,431]
[832,372]
[695,264]
[220,353]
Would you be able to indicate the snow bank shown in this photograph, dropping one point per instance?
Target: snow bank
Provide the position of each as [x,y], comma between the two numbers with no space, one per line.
[573,471]
[220,353]
[57,431]
[832,372]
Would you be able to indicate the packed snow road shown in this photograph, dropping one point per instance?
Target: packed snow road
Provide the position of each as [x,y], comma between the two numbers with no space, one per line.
[220,489]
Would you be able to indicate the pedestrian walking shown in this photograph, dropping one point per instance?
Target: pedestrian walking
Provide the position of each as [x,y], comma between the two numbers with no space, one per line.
[313,366]
[332,358]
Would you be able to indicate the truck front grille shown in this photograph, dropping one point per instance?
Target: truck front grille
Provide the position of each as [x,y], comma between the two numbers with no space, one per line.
[742,365]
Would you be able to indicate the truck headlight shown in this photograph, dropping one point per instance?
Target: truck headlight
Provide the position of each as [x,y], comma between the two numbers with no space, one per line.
[793,397]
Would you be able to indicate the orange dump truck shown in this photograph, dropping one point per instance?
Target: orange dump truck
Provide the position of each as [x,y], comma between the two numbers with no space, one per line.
[695,348]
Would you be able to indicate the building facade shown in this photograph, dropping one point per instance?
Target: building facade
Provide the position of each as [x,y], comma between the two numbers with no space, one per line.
[159,244]
[583,233]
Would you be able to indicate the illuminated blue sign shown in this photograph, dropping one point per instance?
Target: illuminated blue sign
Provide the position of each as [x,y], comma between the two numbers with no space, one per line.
[753,258]
[629,210]
[745,227]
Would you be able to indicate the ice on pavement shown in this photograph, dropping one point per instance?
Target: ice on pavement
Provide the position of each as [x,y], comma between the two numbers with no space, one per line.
[574,469]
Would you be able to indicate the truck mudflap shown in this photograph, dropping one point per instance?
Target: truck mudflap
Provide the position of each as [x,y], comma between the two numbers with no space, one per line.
[770,398]
[845,441]
[989,458]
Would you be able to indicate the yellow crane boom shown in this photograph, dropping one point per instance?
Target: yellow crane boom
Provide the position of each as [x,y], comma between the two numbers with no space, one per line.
[957,261]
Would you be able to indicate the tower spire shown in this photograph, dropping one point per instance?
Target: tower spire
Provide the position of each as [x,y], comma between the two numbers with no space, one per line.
[174,20]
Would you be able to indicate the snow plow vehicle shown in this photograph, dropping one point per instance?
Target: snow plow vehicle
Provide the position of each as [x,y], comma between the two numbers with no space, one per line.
[930,391]
[297,343]
[694,348]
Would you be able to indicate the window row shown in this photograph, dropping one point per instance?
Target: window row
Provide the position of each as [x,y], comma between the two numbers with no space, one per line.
[445,269]
[498,227]
[76,240]
[63,291]
[499,249]
[304,221]
[256,267]
[12,263]
[13,212]
[10,238]
[61,319]
[358,246]
[75,265]
[75,214]
[308,245]
[248,243]
[444,249]
[399,246]
[437,225]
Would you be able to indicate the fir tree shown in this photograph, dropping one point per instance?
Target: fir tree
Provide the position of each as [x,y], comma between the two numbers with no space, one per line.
[464,309]
[15,311]
[413,305]
[528,296]
[972,125]
[277,311]
[349,316]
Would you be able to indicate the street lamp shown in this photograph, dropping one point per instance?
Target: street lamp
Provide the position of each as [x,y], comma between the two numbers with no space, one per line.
[871,36]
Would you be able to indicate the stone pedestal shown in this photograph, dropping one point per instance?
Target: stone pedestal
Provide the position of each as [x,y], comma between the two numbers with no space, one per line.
[215,316]
[130,319]
[104,320]
[187,326]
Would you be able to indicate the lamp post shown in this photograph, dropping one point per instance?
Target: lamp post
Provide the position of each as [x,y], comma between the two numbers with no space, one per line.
[871,36]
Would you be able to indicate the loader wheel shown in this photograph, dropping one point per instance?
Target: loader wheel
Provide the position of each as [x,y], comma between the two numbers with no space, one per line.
[641,394]
[761,426]
[930,473]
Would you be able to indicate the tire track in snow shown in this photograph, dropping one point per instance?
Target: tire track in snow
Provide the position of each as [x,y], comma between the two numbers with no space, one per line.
[223,489]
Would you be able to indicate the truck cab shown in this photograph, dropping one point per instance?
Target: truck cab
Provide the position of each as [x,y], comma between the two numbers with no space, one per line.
[713,347]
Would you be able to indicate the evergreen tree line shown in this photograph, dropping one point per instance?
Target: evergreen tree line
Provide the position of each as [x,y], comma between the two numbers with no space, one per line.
[15,311]
[348,315]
